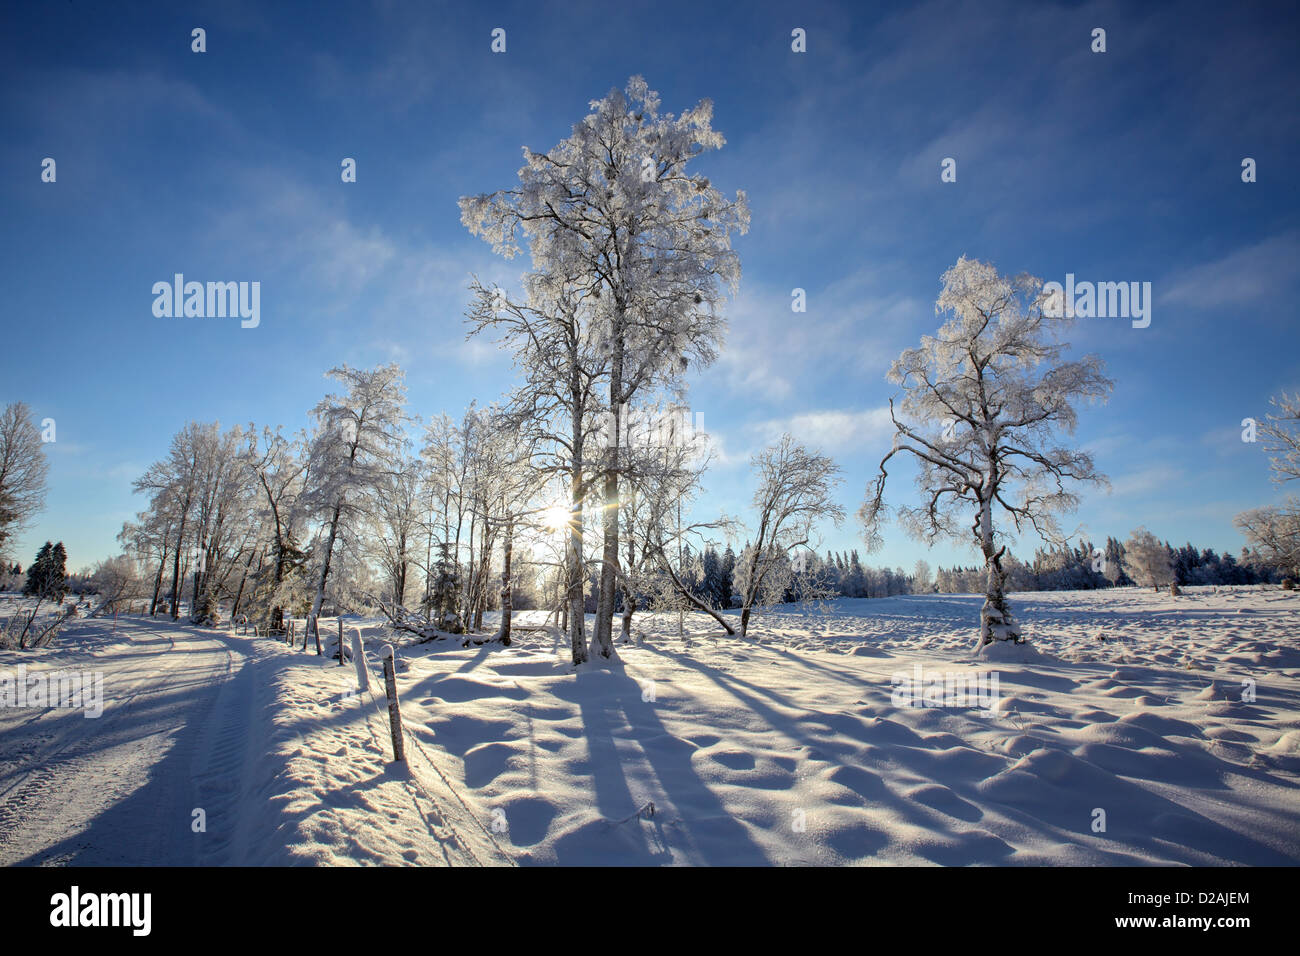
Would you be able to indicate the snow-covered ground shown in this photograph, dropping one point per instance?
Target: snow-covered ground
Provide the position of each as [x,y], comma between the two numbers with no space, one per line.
[1176,739]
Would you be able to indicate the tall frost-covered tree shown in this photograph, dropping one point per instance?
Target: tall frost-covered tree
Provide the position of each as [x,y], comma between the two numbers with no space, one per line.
[1274,534]
[278,464]
[395,527]
[173,485]
[794,494]
[1282,437]
[558,349]
[983,403]
[23,471]
[1274,530]
[357,435]
[149,536]
[616,206]
[669,463]
[222,509]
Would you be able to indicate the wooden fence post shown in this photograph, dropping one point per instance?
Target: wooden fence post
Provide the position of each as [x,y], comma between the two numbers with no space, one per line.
[394,712]
[359,661]
[340,641]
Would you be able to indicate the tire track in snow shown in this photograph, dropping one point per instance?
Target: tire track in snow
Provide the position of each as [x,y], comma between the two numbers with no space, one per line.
[121,788]
[26,803]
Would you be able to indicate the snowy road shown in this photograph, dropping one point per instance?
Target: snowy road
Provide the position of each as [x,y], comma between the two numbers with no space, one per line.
[122,788]
[216,749]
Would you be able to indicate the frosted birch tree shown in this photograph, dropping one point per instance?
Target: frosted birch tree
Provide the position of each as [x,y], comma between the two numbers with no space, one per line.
[668,462]
[357,435]
[172,484]
[117,582]
[505,487]
[150,537]
[23,470]
[396,525]
[557,348]
[794,495]
[1282,438]
[1147,561]
[1274,530]
[223,502]
[616,206]
[983,403]
[278,464]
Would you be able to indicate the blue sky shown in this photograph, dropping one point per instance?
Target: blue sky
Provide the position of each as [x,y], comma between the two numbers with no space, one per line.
[1122,166]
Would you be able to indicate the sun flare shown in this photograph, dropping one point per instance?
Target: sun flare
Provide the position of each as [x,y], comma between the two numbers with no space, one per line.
[556,518]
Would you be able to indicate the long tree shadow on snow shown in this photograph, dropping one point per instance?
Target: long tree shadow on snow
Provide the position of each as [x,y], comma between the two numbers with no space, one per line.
[696,824]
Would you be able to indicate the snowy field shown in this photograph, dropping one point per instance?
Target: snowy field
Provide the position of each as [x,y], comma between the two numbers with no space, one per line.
[1153,730]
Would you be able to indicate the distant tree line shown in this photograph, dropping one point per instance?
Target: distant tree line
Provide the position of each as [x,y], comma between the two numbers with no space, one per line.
[710,576]
[1143,560]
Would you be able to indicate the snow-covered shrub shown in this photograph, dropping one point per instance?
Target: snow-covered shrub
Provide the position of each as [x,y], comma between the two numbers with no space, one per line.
[206,613]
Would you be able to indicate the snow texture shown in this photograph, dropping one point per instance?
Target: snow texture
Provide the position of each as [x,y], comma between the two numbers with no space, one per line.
[1178,719]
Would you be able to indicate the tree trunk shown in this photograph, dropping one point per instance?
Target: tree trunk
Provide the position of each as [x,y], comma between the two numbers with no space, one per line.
[484,565]
[608,568]
[400,595]
[324,574]
[629,608]
[176,571]
[467,592]
[506,608]
[575,572]
[243,578]
[696,602]
[277,612]
[754,579]
[996,623]
[609,558]
[157,583]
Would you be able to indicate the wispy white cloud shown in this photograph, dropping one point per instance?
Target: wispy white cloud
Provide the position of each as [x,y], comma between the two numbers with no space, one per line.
[1262,271]
[851,326]
[1147,482]
[830,429]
